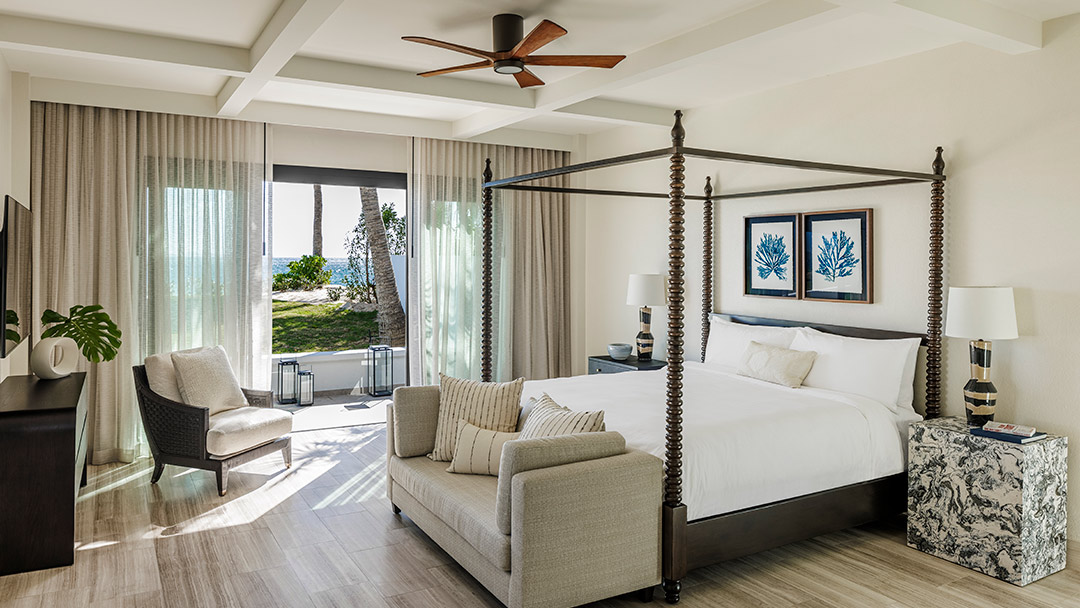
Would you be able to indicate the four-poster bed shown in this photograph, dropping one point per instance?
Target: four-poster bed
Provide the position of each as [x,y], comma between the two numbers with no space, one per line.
[687,545]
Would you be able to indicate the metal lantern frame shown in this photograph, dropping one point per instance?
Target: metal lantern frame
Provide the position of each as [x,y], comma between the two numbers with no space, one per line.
[288,381]
[380,359]
[305,382]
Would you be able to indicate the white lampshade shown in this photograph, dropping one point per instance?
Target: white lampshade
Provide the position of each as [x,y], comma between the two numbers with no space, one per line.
[646,290]
[986,313]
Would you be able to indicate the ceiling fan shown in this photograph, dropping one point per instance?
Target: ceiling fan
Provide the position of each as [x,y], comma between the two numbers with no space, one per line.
[513,51]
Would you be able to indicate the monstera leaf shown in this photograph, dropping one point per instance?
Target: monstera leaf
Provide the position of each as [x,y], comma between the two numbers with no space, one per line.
[91,328]
[11,318]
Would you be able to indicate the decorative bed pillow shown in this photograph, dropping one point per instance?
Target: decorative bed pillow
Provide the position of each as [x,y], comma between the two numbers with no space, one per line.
[549,419]
[489,405]
[161,374]
[728,341]
[775,364]
[872,368]
[205,378]
[477,451]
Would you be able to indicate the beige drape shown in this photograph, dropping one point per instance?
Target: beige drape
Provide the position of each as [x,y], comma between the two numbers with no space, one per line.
[159,219]
[531,297]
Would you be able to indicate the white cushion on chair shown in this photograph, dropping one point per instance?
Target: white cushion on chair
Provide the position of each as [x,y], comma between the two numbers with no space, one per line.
[243,428]
[161,374]
[206,379]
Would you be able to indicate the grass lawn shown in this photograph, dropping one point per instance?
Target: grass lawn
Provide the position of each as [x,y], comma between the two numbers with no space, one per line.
[300,327]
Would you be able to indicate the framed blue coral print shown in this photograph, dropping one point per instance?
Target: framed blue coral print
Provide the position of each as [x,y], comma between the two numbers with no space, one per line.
[771,252]
[838,255]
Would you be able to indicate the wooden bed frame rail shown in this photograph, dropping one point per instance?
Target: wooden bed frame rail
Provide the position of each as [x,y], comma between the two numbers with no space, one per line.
[706,541]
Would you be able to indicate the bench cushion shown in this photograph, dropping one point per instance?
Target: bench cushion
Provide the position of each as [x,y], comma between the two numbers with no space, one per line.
[245,427]
[466,503]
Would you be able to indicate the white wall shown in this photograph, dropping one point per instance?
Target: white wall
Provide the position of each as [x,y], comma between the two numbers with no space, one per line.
[1010,126]
[15,172]
[339,149]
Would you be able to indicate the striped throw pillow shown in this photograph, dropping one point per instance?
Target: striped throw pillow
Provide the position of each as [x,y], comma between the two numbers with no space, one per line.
[489,405]
[477,451]
[549,419]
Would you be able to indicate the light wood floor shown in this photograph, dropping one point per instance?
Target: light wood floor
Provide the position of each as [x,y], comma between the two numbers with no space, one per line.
[322,534]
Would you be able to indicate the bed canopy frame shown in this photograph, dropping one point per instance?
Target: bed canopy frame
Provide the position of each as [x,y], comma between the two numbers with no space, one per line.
[731,535]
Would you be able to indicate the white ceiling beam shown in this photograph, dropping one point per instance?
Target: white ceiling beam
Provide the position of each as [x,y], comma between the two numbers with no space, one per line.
[774,18]
[971,21]
[23,33]
[618,112]
[293,24]
[150,100]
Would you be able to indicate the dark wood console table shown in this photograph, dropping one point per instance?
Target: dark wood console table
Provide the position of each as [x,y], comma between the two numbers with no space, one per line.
[42,467]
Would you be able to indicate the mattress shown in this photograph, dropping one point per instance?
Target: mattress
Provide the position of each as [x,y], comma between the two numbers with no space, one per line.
[745,442]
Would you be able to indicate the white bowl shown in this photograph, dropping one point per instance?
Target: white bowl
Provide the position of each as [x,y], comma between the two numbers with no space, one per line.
[619,351]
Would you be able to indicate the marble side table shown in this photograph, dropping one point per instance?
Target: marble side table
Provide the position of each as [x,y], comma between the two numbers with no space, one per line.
[986,504]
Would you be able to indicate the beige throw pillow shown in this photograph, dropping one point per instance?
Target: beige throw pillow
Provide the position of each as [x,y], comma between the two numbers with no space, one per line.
[489,405]
[161,374]
[477,451]
[549,419]
[205,378]
[775,364]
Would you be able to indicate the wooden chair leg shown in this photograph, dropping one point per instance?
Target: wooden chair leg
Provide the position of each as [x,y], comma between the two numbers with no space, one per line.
[286,453]
[397,511]
[158,468]
[222,473]
[645,595]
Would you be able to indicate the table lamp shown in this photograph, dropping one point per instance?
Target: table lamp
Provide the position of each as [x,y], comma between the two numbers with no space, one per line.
[645,290]
[980,314]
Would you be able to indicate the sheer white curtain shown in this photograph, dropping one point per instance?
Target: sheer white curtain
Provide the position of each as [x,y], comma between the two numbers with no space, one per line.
[158,218]
[530,280]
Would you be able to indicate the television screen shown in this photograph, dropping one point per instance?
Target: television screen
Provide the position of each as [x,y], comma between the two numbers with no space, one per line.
[15,273]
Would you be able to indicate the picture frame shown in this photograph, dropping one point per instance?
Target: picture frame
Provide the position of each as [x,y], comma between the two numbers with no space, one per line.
[770,256]
[838,256]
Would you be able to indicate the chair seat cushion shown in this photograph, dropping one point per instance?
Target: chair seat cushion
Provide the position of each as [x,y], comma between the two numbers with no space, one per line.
[243,428]
[466,503]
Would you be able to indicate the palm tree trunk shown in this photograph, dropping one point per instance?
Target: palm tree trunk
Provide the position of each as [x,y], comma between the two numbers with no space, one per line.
[316,232]
[391,315]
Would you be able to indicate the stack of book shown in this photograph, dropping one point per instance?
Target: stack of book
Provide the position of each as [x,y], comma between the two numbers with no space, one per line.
[1006,431]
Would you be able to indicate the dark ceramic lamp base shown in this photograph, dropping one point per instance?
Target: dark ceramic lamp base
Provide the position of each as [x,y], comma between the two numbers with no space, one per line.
[980,395]
[644,339]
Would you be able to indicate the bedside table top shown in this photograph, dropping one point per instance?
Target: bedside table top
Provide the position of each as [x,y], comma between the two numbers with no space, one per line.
[632,362]
[953,424]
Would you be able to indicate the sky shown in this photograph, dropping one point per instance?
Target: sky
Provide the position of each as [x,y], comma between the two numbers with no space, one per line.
[294,209]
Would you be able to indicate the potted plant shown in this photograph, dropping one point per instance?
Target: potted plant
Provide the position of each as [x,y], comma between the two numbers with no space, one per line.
[88,328]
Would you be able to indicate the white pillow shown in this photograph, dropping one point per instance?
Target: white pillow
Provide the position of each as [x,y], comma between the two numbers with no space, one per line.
[728,341]
[777,365]
[871,368]
[205,378]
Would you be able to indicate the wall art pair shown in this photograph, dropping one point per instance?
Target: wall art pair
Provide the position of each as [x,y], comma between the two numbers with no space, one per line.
[823,255]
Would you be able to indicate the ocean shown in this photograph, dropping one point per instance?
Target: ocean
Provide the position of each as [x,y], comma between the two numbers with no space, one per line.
[337,266]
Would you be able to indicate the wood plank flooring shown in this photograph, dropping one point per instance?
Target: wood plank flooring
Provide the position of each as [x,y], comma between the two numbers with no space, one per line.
[322,534]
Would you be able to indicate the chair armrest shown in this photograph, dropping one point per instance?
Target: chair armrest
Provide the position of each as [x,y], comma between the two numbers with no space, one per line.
[605,513]
[415,419]
[257,398]
[171,427]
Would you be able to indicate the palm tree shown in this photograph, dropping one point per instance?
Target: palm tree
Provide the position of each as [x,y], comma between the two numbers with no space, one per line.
[391,315]
[316,232]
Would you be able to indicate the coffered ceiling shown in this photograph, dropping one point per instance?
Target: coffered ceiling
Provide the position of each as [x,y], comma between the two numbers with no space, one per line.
[342,63]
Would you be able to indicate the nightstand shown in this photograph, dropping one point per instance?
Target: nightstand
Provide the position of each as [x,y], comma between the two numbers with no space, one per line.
[604,364]
[989,505]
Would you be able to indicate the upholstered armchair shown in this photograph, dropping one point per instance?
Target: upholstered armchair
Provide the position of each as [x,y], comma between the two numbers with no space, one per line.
[189,436]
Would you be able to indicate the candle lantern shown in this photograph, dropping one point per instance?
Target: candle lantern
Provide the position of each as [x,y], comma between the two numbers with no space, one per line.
[305,381]
[288,388]
[380,370]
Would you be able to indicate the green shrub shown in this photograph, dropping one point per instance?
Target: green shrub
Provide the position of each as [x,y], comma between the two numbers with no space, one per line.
[334,293]
[309,272]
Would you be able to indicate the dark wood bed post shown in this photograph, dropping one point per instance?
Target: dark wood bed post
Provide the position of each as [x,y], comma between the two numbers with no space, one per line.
[933,320]
[706,267]
[674,511]
[485,297]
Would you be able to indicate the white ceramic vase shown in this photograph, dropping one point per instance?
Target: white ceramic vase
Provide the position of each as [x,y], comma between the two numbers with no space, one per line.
[54,358]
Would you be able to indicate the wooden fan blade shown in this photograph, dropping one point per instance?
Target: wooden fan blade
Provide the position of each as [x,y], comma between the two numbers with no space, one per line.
[585,61]
[458,68]
[450,46]
[525,79]
[542,34]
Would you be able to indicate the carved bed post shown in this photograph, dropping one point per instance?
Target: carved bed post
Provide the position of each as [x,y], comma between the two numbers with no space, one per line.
[706,267]
[933,321]
[674,511]
[485,326]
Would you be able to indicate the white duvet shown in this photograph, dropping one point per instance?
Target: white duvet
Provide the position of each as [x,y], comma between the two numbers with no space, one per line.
[745,442]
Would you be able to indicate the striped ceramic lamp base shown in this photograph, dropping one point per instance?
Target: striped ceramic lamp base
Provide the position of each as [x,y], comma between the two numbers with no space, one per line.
[644,338]
[980,395]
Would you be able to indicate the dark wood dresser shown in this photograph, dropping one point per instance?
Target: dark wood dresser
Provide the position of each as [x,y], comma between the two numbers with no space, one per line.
[42,467]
